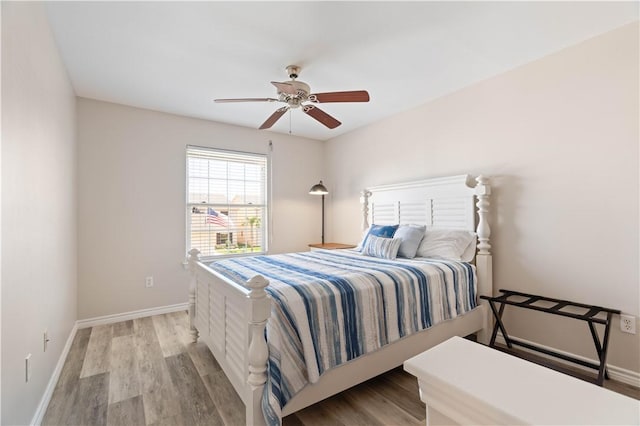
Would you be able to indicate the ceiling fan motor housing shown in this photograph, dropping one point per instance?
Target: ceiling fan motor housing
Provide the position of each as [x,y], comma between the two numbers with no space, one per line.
[302,94]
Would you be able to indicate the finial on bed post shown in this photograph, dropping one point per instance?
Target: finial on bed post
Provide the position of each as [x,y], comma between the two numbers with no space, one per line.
[483,190]
[258,353]
[364,199]
[194,258]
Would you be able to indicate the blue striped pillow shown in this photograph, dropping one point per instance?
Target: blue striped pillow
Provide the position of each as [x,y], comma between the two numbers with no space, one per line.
[386,231]
[385,248]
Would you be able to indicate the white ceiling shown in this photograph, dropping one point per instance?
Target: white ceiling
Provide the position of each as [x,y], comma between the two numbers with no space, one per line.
[177,56]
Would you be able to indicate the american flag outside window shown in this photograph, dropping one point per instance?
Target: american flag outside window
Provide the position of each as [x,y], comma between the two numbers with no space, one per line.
[217,218]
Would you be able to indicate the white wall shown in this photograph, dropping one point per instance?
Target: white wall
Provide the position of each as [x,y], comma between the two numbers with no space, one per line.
[38,207]
[131,196]
[559,137]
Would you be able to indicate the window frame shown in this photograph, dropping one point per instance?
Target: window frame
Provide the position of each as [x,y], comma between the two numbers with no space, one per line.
[266,206]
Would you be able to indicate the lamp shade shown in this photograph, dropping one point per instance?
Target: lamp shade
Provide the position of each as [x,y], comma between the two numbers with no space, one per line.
[318,189]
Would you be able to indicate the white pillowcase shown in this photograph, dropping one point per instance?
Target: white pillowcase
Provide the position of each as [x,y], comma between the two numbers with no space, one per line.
[410,235]
[470,251]
[360,245]
[385,248]
[446,244]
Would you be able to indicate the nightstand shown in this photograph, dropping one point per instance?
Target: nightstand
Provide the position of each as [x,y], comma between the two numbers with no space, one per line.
[330,246]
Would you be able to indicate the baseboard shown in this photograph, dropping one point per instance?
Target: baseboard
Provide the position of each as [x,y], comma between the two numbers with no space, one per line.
[615,373]
[91,322]
[126,316]
[48,392]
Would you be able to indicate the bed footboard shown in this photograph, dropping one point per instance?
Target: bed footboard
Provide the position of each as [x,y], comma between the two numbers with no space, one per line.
[231,320]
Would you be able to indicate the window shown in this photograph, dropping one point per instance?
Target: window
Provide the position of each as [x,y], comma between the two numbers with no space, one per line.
[226,202]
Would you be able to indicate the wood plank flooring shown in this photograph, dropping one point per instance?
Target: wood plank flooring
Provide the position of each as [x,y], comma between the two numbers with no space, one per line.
[146,372]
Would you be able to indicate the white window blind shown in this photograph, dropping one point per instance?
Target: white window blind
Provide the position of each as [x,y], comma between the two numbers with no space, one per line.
[226,202]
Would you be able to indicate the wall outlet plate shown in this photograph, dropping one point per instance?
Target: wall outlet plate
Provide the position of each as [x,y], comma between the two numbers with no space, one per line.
[27,368]
[628,324]
[148,282]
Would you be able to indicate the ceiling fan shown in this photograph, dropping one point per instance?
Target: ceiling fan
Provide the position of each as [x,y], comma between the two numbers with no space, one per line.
[294,93]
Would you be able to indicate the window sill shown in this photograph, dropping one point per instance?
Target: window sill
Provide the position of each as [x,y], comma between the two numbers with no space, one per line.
[210,259]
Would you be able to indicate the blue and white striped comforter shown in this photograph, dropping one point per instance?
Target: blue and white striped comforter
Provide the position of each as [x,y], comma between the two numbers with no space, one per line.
[330,307]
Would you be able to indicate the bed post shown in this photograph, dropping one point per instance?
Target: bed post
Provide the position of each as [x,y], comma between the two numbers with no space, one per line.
[364,199]
[194,258]
[258,354]
[483,257]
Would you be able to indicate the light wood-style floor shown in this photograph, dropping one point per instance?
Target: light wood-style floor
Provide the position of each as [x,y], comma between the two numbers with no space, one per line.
[146,372]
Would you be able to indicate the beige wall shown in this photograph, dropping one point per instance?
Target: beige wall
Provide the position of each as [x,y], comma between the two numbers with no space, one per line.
[38,207]
[131,195]
[559,137]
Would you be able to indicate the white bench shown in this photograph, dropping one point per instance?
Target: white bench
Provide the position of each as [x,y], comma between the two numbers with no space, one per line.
[463,382]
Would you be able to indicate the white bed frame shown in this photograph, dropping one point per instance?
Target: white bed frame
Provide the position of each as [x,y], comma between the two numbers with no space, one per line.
[231,319]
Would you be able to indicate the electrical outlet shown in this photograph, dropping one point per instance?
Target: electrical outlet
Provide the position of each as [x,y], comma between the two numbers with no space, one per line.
[27,368]
[45,340]
[148,282]
[628,324]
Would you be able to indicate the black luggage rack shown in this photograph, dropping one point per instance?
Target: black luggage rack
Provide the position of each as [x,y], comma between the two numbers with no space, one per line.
[589,317]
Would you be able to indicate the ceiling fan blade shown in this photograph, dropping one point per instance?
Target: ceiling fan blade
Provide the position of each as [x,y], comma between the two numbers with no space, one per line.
[321,116]
[273,118]
[352,96]
[246,100]
[285,87]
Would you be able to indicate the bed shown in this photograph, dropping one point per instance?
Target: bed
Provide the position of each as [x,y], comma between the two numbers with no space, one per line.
[229,309]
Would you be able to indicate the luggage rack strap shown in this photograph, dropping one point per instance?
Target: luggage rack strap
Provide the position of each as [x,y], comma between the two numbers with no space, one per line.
[507,293]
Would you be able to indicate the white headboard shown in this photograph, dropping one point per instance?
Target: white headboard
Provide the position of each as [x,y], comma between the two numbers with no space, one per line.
[454,202]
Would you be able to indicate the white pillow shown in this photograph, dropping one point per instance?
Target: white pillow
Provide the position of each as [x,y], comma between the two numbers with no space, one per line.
[360,245]
[445,243]
[410,235]
[470,251]
[385,248]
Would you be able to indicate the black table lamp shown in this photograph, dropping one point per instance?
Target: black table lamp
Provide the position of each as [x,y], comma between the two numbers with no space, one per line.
[320,189]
